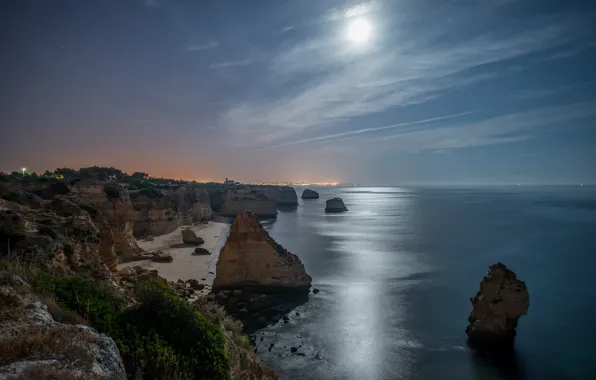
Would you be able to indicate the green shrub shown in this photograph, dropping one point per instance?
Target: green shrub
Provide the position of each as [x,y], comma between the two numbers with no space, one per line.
[92,302]
[161,337]
[169,334]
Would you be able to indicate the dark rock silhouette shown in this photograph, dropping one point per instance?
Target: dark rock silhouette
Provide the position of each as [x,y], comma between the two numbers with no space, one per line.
[335,205]
[496,309]
[310,194]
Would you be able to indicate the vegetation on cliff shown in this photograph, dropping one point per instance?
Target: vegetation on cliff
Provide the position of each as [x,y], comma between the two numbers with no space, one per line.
[159,337]
[64,248]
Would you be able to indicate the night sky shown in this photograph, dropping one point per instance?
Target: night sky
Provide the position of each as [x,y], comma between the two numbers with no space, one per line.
[377,92]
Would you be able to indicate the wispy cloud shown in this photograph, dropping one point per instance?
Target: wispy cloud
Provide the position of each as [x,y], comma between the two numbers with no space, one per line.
[342,136]
[220,65]
[287,29]
[200,47]
[339,81]
[512,127]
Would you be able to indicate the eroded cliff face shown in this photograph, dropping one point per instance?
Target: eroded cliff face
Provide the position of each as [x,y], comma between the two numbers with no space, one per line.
[59,235]
[245,199]
[251,259]
[113,201]
[282,195]
[163,212]
[496,309]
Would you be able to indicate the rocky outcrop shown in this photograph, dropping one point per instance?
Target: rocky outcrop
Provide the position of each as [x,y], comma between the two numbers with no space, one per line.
[113,202]
[256,278]
[310,194]
[281,195]
[496,309]
[157,212]
[49,347]
[245,199]
[335,205]
[251,259]
[58,235]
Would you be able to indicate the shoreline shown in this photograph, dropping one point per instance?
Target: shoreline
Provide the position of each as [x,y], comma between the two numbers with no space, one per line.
[186,266]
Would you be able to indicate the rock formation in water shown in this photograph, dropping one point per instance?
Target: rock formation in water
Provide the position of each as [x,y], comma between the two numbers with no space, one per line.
[157,212]
[335,205]
[245,199]
[257,280]
[251,259]
[310,194]
[496,309]
[281,195]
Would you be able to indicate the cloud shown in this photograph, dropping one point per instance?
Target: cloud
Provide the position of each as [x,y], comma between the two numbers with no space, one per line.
[220,65]
[508,128]
[342,136]
[200,47]
[325,81]
[287,29]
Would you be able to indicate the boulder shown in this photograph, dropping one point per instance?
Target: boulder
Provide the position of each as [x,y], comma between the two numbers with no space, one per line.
[161,257]
[496,309]
[194,284]
[189,237]
[310,194]
[199,251]
[335,205]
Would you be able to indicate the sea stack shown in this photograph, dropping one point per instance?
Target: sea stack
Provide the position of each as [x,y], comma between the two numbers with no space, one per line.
[310,194]
[335,205]
[496,308]
[252,260]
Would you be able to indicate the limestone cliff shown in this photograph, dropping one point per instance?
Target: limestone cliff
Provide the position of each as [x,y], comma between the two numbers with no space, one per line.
[282,195]
[496,308]
[159,212]
[245,199]
[58,235]
[251,259]
[113,201]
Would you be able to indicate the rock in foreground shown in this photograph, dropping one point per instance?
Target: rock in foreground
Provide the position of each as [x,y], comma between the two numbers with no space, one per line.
[310,194]
[189,237]
[335,205]
[252,259]
[496,308]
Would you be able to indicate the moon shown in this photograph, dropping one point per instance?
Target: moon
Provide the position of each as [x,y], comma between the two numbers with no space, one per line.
[359,31]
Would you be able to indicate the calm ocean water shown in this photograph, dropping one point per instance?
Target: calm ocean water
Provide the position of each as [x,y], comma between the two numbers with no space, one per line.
[395,275]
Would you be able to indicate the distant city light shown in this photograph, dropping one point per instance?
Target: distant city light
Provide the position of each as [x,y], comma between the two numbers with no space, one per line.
[24,170]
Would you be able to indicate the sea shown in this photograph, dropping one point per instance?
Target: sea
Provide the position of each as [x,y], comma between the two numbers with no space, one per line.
[396,273]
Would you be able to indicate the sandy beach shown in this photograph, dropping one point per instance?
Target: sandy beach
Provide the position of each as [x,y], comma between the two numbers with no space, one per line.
[185,265]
